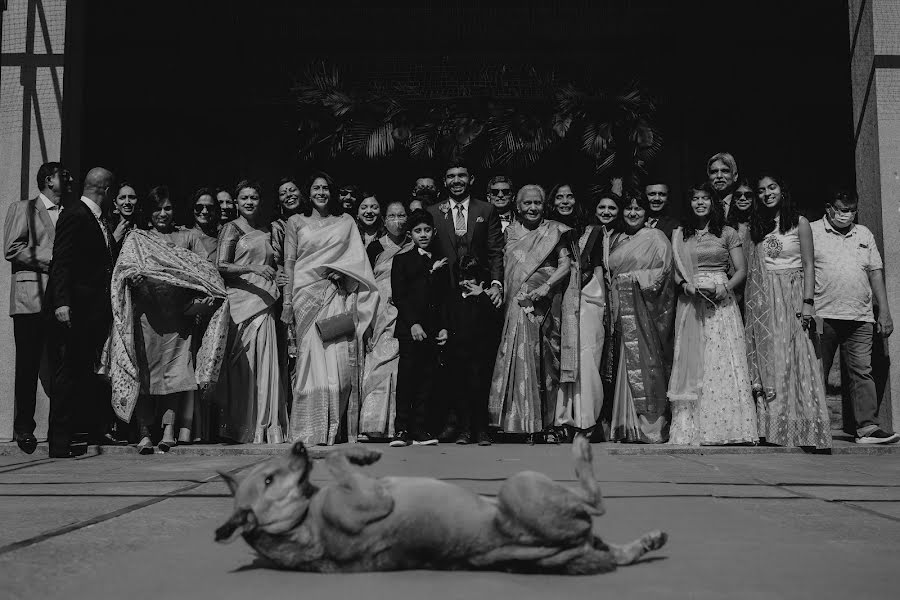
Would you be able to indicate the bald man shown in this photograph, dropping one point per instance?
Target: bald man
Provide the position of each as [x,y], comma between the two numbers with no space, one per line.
[79,302]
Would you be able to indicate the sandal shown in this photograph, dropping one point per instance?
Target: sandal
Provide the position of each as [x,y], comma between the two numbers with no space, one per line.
[551,437]
[145,446]
[166,445]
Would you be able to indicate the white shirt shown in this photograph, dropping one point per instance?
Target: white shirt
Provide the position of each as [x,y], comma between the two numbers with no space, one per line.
[465,213]
[97,212]
[52,208]
[843,263]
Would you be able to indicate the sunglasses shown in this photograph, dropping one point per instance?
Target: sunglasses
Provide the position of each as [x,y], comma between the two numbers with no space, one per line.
[743,195]
[494,192]
[201,208]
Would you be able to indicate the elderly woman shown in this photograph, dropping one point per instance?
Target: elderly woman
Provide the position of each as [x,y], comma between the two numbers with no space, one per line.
[785,369]
[251,395]
[642,301]
[367,212]
[379,387]
[710,385]
[330,301]
[164,325]
[539,332]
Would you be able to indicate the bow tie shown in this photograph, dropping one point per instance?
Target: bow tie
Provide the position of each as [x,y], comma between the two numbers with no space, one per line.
[424,252]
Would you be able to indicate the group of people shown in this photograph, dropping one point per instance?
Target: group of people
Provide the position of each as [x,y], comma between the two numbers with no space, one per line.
[438,316]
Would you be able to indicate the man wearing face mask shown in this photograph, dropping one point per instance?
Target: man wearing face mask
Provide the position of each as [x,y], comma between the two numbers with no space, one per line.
[849,273]
[657,194]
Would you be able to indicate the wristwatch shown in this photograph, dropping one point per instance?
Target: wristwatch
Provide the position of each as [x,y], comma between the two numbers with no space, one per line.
[809,301]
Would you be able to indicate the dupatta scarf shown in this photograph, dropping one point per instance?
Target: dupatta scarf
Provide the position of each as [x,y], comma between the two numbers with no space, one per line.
[690,339]
[759,328]
[154,258]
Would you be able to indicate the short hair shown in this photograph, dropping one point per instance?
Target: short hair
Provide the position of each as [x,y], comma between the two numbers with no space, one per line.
[419,217]
[155,198]
[639,198]
[499,179]
[726,158]
[845,197]
[46,170]
[529,188]
[654,181]
[469,267]
[457,163]
[334,201]
[221,188]
[350,187]
[246,183]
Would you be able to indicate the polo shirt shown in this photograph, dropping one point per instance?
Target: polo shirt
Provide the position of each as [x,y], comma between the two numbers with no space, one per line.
[843,262]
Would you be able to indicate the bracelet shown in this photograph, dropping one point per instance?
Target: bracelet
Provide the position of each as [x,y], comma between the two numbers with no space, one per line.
[809,301]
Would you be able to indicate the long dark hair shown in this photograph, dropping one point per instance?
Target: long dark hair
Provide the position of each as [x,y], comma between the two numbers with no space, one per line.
[737,216]
[281,212]
[762,218]
[576,220]
[716,215]
[616,224]
[334,200]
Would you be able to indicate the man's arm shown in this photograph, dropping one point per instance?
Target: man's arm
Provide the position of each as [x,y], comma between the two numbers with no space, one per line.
[884,324]
[495,245]
[17,243]
[65,251]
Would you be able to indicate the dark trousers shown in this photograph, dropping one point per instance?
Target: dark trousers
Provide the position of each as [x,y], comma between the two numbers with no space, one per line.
[80,400]
[855,341]
[470,370]
[415,383]
[29,332]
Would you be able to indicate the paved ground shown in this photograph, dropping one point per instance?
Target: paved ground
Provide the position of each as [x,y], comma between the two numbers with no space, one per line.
[756,525]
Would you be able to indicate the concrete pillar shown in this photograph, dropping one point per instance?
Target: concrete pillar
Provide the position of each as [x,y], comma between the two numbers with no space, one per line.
[875,80]
[31,99]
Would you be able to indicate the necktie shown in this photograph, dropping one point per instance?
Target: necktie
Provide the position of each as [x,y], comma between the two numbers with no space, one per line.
[105,227]
[459,221]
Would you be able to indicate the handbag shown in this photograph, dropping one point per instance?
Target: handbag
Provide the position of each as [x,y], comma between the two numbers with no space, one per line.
[338,326]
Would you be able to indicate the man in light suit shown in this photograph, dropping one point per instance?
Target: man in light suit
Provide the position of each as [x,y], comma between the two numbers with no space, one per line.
[78,300]
[28,241]
[467,226]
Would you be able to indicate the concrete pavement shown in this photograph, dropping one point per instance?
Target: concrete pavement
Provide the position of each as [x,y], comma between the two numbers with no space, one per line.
[741,525]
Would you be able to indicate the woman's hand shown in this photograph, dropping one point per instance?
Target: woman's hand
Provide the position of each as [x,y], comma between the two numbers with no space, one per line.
[540,292]
[721,292]
[281,278]
[136,279]
[120,230]
[417,333]
[266,272]
[441,337]
[287,315]
[689,289]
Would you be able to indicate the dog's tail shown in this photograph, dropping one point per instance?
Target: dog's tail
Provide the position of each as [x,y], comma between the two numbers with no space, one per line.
[584,470]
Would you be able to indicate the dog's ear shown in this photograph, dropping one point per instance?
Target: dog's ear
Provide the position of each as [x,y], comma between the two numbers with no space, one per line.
[230,481]
[243,519]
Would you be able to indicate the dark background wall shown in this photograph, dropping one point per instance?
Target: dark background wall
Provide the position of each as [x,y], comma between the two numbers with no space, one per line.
[198,93]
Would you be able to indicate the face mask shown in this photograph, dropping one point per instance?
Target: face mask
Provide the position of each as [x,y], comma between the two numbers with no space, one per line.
[841,220]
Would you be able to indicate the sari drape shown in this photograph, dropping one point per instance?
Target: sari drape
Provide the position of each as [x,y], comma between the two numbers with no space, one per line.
[530,359]
[155,259]
[643,301]
[250,396]
[579,402]
[379,388]
[327,383]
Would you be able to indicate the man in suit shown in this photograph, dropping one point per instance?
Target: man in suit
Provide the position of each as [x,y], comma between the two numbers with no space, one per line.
[722,171]
[79,301]
[28,233]
[657,194]
[500,194]
[467,226]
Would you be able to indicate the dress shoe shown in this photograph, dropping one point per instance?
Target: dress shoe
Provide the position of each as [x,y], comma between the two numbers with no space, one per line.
[448,434]
[70,452]
[484,439]
[464,438]
[27,442]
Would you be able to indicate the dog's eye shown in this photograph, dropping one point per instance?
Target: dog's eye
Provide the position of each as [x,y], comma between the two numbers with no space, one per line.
[268,480]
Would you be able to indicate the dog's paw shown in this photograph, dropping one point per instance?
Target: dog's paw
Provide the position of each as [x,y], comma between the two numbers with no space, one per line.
[654,540]
[581,448]
[361,455]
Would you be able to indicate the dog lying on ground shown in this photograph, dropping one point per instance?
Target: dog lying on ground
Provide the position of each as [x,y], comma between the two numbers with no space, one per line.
[360,523]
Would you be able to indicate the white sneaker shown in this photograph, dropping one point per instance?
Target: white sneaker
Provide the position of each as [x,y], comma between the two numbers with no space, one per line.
[879,437]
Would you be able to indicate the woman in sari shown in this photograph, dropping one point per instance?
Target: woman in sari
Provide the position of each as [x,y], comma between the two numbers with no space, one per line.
[379,387]
[710,385]
[642,301]
[537,349]
[251,395]
[785,368]
[579,403]
[163,336]
[331,306]
[368,218]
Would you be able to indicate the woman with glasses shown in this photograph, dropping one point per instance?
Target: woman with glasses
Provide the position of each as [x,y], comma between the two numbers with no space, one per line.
[378,397]
[251,396]
[709,389]
[785,369]
[642,300]
[206,222]
[742,200]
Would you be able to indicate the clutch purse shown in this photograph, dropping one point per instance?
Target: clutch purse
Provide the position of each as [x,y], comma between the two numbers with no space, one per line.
[338,326]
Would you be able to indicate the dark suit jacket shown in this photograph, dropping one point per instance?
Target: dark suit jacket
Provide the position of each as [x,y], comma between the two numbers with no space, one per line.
[82,265]
[666,223]
[420,296]
[484,236]
[28,235]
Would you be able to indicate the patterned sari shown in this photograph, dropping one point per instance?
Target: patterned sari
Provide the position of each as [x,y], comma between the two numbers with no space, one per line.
[327,376]
[379,387]
[537,349]
[642,298]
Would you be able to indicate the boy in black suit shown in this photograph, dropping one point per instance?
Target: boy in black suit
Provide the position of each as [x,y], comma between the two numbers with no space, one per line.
[420,280]
[470,314]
